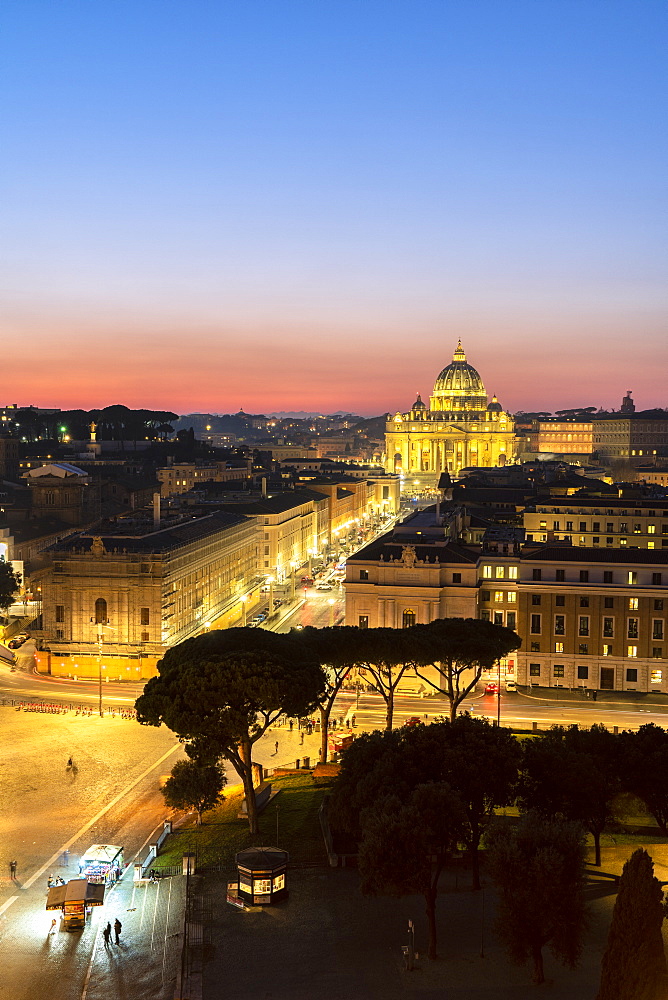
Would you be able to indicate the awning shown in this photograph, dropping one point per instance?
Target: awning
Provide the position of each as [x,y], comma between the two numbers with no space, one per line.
[77,890]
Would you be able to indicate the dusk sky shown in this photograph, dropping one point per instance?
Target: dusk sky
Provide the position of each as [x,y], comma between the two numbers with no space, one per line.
[288,205]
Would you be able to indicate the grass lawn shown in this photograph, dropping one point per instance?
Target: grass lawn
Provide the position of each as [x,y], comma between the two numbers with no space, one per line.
[222,834]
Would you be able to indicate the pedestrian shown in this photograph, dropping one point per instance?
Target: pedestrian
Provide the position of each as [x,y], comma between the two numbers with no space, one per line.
[301,742]
[70,762]
[107,935]
[275,748]
[118,926]
[53,926]
[50,882]
[12,869]
[594,695]
[291,724]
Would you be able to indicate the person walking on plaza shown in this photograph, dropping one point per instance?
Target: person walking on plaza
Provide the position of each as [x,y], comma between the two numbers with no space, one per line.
[12,869]
[118,926]
[291,724]
[107,935]
[301,742]
[275,748]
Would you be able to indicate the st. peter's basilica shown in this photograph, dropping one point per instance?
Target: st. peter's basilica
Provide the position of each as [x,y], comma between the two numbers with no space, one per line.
[459,428]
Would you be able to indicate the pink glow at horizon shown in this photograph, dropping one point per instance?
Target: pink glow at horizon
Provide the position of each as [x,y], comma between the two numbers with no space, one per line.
[367,369]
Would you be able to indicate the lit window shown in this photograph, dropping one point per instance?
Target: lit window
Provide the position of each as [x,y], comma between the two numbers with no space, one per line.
[655,676]
[498,596]
[511,597]
[487,572]
[651,529]
[558,647]
[633,603]
[607,649]
[633,576]
[512,572]
[632,651]
[500,572]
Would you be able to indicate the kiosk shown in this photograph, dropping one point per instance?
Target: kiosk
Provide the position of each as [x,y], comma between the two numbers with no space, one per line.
[102,863]
[262,875]
[75,900]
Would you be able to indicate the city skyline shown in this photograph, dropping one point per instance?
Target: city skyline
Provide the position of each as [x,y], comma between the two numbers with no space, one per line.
[283,207]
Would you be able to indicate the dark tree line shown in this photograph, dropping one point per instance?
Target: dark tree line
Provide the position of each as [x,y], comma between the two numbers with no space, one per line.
[114,423]
[565,783]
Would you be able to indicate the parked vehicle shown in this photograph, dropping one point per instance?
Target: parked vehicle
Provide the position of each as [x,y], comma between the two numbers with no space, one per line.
[18,640]
[511,686]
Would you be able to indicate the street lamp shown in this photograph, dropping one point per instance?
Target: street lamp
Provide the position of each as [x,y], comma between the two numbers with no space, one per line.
[100,640]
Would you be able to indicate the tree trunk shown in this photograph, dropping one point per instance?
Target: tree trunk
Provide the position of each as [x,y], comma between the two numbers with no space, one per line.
[199,817]
[430,900]
[538,972]
[247,778]
[324,732]
[475,860]
[389,715]
[454,705]
[597,848]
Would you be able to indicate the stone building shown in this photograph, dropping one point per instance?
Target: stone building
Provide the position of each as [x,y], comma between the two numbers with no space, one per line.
[459,428]
[117,600]
[587,616]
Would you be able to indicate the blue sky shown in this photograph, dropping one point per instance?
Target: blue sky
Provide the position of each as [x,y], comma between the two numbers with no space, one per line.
[304,204]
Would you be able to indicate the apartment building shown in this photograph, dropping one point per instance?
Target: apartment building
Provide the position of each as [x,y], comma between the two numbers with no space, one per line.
[593,618]
[608,522]
[590,617]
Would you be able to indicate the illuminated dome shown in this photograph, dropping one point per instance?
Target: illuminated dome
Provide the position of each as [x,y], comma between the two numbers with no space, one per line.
[459,386]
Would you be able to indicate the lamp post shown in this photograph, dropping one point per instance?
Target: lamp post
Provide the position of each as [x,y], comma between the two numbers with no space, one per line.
[270,581]
[100,641]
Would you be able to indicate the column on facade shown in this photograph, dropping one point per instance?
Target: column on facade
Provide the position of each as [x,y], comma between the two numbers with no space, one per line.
[390,613]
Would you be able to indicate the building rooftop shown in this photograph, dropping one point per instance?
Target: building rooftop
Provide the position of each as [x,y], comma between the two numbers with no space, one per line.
[139,535]
[587,554]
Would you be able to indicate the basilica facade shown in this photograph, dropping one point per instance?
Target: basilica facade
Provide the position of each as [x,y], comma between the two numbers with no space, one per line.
[459,428]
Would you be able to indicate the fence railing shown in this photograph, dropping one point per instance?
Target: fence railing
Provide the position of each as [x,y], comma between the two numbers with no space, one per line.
[65,708]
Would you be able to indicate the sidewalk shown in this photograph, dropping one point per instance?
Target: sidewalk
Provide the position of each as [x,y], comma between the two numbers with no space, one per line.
[146,961]
[624,699]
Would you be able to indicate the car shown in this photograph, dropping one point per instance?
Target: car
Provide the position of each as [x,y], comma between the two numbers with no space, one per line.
[511,686]
[414,720]
[323,586]
[492,688]
[307,581]
[18,640]
[277,602]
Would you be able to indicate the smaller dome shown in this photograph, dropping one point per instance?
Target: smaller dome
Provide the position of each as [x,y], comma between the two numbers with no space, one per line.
[418,404]
[495,406]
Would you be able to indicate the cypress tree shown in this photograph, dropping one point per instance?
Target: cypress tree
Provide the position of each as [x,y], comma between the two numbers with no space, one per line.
[634,963]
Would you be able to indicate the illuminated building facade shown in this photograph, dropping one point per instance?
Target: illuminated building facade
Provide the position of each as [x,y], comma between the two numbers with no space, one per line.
[588,617]
[129,594]
[459,428]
